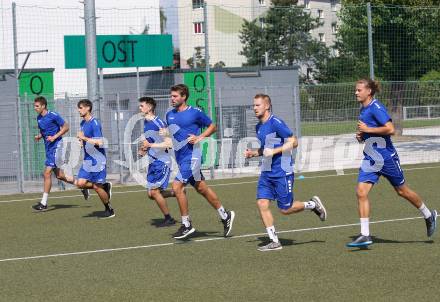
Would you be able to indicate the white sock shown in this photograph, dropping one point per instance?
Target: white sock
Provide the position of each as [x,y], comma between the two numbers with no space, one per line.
[44,199]
[185,221]
[272,234]
[425,211]
[365,226]
[309,205]
[222,213]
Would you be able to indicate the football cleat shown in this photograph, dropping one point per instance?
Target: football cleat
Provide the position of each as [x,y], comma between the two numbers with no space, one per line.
[319,208]
[227,223]
[360,241]
[431,223]
[184,232]
[85,193]
[39,207]
[109,213]
[108,189]
[272,246]
[167,222]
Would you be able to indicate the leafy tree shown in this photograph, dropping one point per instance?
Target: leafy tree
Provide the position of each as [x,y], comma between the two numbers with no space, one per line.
[200,60]
[284,34]
[406,45]
[406,40]
[197,60]
[163,20]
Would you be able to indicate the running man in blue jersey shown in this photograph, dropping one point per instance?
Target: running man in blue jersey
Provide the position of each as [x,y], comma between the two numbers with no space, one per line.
[157,147]
[276,180]
[185,124]
[52,127]
[92,174]
[380,159]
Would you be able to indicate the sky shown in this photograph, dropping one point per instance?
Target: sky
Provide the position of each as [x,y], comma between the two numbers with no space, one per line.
[42,24]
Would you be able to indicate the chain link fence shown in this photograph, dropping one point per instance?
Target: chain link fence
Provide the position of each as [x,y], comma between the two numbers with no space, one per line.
[331,45]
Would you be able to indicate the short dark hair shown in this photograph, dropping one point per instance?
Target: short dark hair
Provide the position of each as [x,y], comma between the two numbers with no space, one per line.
[150,101]
[182,89]
[85,103]
[42,100]
[264,97]
[370,84]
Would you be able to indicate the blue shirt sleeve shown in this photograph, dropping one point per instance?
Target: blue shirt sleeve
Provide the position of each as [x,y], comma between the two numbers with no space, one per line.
[282,129]
[161,123]
[57,119]
[381,115]
[202,119]
[96,128]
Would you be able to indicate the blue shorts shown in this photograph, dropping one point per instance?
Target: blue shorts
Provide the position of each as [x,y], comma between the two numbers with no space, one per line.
[158,175]
[391,170]
[277,188]
[189,171]
[94,177]
[53,154]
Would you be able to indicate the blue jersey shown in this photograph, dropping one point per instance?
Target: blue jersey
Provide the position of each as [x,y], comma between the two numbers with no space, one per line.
[181,125]
[92,129]
[49,125]
[273,134]
[151,132]
[375,115]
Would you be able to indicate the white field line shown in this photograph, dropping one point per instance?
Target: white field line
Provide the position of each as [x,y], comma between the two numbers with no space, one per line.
[211,185]
[196,240]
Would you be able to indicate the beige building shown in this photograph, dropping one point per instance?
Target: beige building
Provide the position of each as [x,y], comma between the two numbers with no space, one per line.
[225,19]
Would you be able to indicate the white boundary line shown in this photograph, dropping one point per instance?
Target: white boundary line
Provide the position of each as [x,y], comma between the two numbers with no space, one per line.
[211,185]
[194,241]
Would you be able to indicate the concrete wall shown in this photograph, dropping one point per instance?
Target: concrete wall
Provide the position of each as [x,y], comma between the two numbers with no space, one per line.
[8,122]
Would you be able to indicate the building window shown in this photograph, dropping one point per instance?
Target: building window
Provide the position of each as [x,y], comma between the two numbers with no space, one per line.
[199,28]
[333,5]
[307,4]
[262,2]
[334,28]
[262,22]
[198,4]
[320,14]
[321,37]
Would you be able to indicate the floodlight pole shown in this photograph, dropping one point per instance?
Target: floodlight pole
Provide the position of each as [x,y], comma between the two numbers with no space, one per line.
[370,41]
[17,74]
[20,168]
[208,77]
[91,56]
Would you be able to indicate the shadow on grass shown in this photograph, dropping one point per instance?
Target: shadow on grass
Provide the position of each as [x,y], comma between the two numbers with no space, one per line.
[54,207]
[381,240]
[158,223]
[96,214]
[285,242]
[198,234]
[377,240]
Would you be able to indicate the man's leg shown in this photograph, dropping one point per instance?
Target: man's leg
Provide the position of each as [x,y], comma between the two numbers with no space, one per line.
[227,217]
[156,195]
[105,199]
[186,228]
[267,218]
[429,215]
[63,177]
[47,185]
[47,175]
[364,239]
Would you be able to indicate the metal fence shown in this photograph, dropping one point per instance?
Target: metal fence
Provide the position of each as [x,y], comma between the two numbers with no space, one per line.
[332,44]
[327,141]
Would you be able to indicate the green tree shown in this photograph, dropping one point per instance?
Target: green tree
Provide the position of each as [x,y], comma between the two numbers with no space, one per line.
[406,45]
[406,40]
[198,60]
[283,34]
[163,20]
